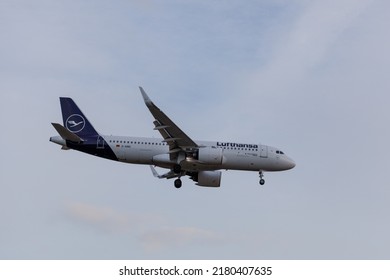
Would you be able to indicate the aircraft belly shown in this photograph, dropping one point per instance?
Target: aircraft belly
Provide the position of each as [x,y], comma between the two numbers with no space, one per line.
[242,161]
[195,166]
[146,156]
[142,155]
[131,155]
[134,154]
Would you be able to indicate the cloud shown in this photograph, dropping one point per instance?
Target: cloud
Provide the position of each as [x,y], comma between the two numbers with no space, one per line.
[177,237]
[152,231]
[107,219]
[306,43]
[299,49]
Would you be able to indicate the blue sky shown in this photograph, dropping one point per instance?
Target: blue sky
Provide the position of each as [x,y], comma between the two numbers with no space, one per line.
[309,77]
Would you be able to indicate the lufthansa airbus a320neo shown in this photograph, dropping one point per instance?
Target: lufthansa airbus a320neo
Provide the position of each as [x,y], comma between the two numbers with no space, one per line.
[183,156]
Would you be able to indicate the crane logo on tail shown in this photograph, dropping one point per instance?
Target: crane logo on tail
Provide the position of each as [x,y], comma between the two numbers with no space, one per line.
[75,123]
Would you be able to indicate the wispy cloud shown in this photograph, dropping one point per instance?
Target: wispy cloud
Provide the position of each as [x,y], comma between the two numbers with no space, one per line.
[174,237]
[107,219]
[305,44]
[302,46]
[152,230]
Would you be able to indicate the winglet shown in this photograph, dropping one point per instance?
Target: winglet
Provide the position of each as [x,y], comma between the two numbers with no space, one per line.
[145,96]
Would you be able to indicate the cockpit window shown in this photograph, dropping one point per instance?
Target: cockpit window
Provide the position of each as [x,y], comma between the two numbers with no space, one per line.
[280,152]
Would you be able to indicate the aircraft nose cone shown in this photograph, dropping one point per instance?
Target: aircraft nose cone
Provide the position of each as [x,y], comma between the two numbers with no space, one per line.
[292,164]
[289,163]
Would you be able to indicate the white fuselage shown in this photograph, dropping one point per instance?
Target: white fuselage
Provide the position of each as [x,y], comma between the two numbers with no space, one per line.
[153,151]
[176,151]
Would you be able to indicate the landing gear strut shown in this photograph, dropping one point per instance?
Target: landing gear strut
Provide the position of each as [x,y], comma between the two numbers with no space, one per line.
[262,181]
[177,168]
[178,183]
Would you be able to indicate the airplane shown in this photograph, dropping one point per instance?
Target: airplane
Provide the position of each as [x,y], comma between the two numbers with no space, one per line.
[202,161]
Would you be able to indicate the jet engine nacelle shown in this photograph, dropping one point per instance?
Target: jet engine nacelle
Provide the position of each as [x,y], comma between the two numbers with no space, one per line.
[209,178]
[210,155]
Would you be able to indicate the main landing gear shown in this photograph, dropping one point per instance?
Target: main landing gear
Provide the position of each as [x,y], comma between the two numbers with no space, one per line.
[178,183]
[177,170]
[262,181]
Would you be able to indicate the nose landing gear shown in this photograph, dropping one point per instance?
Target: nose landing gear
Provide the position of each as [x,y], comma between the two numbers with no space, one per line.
[262,181]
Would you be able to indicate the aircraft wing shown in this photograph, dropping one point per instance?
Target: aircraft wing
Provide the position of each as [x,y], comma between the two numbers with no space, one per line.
[171,133]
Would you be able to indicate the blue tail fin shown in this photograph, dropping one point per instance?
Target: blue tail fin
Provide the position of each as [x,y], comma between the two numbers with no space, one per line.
[74,119]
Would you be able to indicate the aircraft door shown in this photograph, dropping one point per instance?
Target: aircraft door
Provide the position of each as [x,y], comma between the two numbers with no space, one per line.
[100,142]
[263,151]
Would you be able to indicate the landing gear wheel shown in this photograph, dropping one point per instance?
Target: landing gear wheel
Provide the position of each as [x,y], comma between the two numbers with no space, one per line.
[177,168]
[262,181]
[178,183]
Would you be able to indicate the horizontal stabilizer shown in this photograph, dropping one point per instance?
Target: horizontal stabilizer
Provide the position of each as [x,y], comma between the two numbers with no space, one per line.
[66,134]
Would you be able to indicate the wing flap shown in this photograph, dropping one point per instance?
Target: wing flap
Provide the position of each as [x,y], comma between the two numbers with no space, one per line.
[161,127]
